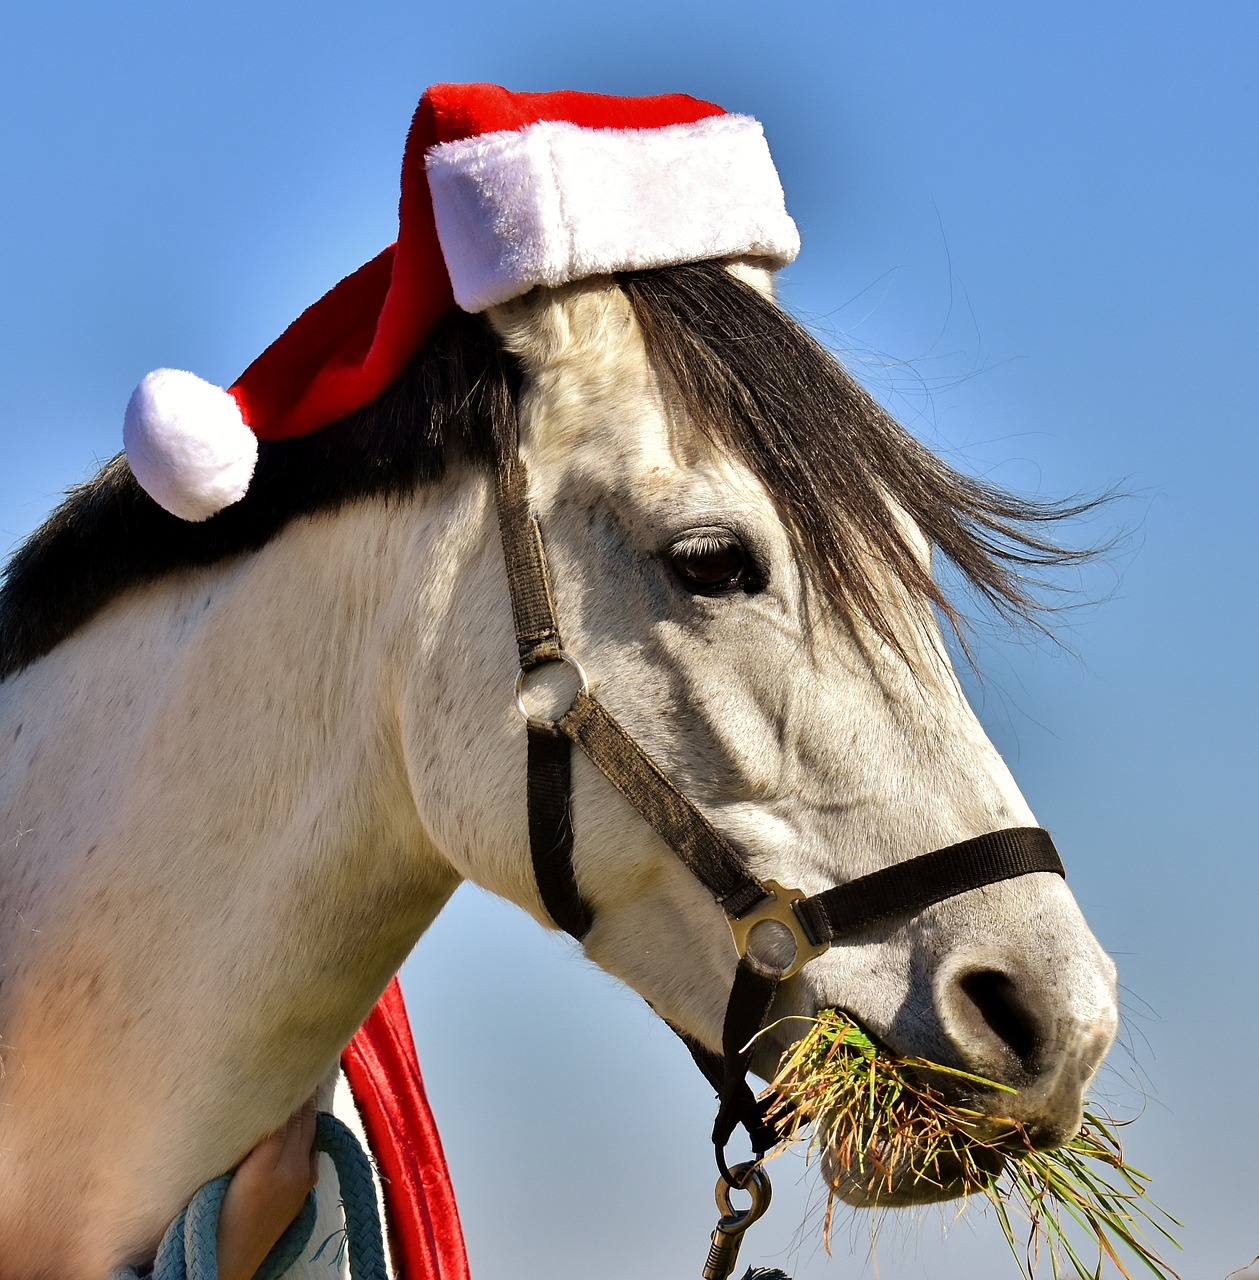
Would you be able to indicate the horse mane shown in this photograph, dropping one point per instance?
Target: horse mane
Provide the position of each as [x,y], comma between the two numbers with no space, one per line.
[747,375]
[837,464]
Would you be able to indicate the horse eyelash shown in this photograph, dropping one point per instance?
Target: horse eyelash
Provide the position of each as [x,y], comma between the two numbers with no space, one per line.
[706,541]
[698,542]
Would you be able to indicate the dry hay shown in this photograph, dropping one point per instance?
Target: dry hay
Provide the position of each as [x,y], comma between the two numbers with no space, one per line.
[885,1126]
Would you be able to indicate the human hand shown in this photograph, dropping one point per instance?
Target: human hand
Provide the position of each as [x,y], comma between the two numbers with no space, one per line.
[266,1193]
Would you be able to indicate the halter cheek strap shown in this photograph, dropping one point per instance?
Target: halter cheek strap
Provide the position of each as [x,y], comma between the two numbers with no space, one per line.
[814,923]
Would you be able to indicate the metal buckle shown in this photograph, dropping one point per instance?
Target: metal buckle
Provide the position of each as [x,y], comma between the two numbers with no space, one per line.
[780,909]
[583,686]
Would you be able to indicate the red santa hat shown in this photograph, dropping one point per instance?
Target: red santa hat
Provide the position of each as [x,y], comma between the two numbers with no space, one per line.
[501,192]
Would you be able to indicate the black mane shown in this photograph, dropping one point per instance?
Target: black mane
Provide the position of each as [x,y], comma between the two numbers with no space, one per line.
[745,373]
[109,535]
[764,389]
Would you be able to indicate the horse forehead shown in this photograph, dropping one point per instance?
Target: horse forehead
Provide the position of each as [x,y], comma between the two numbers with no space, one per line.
[581,334]
[592,411]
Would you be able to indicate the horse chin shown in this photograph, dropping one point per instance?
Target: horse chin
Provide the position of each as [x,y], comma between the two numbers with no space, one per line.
[909,1181]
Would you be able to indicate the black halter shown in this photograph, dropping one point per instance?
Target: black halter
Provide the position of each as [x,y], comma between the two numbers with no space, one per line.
[814,923]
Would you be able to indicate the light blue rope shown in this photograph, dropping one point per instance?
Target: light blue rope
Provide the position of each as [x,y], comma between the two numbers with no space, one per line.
[188,1249]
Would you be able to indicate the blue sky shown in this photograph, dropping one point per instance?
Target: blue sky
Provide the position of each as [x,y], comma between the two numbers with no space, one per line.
[1031,230]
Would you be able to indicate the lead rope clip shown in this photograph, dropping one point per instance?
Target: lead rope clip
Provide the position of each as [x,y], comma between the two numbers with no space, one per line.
[723,1252]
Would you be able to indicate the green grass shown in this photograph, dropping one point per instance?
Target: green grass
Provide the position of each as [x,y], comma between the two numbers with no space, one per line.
[892,1133]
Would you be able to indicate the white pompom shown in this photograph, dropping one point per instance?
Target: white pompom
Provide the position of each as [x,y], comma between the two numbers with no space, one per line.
[187,444]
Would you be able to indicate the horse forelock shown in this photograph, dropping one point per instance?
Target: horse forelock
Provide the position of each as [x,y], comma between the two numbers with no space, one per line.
[860,496]
[844,475]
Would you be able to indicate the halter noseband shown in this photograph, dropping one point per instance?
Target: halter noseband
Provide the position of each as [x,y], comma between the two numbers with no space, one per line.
[814,923]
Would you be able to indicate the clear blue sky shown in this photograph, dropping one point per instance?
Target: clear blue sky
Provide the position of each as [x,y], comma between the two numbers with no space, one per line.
[1033,230]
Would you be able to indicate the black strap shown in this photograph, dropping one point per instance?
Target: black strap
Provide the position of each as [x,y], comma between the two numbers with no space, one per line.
[747,1011]
[538,640]
[748,1110]
[706,852]
[528,578]
[905,888]
[551,830]
[751,995]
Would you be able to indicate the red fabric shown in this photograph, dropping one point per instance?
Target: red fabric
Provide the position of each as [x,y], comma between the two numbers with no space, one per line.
[453,111]
[343,351]
[425,1238]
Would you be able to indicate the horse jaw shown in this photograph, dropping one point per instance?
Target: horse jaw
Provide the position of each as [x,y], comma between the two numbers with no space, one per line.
[805,739]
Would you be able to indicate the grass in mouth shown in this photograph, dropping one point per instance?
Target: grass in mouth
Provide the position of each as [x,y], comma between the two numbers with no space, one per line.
[885,1126]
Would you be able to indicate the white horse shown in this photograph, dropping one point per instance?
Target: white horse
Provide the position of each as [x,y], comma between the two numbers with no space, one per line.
[244,764]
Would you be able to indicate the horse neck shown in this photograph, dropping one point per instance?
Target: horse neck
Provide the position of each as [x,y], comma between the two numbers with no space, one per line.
[217,813]
[248,689]
[227,741]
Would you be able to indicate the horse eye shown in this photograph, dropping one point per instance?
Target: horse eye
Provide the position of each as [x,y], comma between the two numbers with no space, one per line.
[710,562]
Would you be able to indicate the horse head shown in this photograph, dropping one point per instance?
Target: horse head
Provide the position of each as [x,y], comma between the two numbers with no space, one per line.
[758,614]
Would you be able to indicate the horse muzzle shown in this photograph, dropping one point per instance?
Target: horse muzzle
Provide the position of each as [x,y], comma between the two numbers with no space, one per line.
[1038,1028]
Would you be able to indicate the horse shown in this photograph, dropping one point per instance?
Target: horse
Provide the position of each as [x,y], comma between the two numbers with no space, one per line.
[244,763]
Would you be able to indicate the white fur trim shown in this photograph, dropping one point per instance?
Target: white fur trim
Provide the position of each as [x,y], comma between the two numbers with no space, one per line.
[187,444]
[556,202]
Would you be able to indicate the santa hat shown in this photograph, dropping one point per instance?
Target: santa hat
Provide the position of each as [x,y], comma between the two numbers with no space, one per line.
[501,192]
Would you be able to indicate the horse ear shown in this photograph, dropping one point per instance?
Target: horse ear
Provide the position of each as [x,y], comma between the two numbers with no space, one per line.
[758,273]
[187,444]
[570,322]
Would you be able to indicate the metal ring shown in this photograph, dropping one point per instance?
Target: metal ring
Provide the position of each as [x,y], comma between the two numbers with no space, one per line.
[778,908]
[753,1179]
[560,655]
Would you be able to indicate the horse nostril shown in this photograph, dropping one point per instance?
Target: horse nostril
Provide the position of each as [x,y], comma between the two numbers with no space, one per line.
[990,1012]
[1044,1136]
